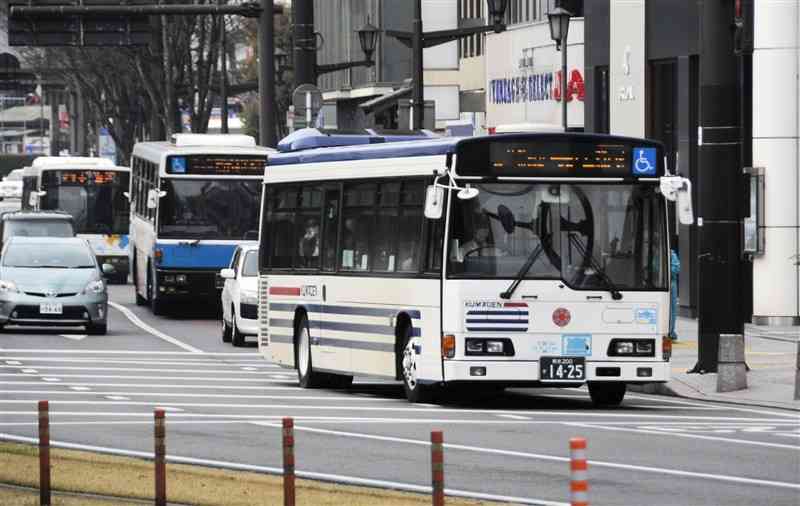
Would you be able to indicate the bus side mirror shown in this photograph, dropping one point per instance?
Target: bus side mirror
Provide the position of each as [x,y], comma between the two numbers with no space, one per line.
[127,195]
[153,196]
[679,189]
[434,202]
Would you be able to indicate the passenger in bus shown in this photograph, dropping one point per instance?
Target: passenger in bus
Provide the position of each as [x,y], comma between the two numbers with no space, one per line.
[482,245]
[309,243]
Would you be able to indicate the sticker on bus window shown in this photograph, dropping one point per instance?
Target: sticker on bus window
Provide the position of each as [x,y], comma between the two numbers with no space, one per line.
[579,345]
[178,165]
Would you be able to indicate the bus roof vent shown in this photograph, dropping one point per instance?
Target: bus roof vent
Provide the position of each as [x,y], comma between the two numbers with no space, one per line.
[70,161]
[205,140]
[312,138]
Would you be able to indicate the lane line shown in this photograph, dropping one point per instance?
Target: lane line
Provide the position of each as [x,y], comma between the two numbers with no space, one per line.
[29,371]
[80,389]
[158,378]
[141,369]
[129,352]
[732,407]
[348,480]
[74,337]
[554,458]
[152,385]
[515,417]
[220,396]
[13,362]
[686,435]
[150,330]
[393,409]
[210,362]
[116,397]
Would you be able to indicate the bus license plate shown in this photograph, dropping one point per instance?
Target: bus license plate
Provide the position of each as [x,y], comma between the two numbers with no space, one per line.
[562,369]
[51,308]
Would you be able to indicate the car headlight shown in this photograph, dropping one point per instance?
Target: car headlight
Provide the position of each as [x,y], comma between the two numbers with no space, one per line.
[8,287]
[249,298]
[96,286]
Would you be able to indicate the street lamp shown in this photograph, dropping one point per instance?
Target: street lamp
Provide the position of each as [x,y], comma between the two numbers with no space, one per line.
[417,40]
[367,39]
[559,28]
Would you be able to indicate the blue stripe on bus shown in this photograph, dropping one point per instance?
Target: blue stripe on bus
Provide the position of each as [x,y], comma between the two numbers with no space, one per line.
[497,313]
[363,328]
[201,256]
[520,322]
[347,310]
[497,329]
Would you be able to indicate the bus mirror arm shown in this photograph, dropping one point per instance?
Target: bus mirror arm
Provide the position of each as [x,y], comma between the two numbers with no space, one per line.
[127,195]
[679,189]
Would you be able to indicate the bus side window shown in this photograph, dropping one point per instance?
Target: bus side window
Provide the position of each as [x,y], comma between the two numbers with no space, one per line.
[358,224]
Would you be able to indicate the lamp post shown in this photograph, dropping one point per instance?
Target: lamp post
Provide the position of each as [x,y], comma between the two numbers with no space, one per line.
[559,28]
[418,40]
[367,39]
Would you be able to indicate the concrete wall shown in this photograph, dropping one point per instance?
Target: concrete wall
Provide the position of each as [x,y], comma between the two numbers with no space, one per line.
[776,147]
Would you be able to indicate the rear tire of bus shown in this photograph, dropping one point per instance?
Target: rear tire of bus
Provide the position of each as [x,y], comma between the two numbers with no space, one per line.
[305,369]
[407,365]
[607,394]
[140,301]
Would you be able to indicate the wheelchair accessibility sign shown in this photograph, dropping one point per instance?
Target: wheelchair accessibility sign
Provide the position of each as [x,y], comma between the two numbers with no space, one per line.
[644,161]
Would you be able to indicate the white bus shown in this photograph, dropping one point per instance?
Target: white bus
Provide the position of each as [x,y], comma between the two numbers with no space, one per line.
[192,201]
[507,260]
[93,191]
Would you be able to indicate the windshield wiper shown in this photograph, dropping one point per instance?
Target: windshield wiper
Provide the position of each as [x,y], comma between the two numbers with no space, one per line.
[522,272]
[612,288]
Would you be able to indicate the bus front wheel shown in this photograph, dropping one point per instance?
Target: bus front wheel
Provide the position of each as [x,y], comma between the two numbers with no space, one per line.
[408,362]
[607,394]
[156,305]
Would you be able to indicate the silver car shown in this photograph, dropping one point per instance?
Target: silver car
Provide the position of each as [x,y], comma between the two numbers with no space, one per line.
[52,281]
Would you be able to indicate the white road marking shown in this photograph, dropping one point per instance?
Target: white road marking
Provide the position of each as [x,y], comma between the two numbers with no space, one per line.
[80,389]
[248,368]
[74,337]
[210,362]
[515,417]
[169,409]
[51,379]
[153,385]
[555,458]
[219,396]
[115,397]
[128,352]
[349,480]
[668,433]
[159,378]
[731,407]
[142,369]
[150,330]
[13,362]
[29,371]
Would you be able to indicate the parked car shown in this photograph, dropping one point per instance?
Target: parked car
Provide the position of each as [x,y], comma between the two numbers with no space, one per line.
[36,224]
[240,296]
[53,281]
[11,185]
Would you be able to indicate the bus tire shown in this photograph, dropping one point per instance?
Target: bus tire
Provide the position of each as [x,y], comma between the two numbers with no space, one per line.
[339,381]
[305,369]
[608,394]
[407,364]
[156,305]
[140,301]
[236,337]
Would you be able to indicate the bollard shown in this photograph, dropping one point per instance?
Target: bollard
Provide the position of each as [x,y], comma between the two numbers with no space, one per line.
[288,462]
[160,455]
[731,369]
[797,375]
[437,467]
[44,453]
[579,478]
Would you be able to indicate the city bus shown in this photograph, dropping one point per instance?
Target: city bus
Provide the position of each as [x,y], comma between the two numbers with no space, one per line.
[193,200]
[93,191]
[510,260]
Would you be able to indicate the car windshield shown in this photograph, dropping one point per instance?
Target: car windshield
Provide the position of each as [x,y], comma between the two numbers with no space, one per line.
[250,267]
[37,228]
[575,232]
[35,255]
[209,209]
[96,208]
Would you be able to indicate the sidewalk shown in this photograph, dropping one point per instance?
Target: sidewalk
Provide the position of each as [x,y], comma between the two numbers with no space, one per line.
[771,353]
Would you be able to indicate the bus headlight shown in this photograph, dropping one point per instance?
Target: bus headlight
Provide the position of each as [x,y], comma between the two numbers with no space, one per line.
[632,348]
[496,346]
[623,348]
[181,279]
[169,280]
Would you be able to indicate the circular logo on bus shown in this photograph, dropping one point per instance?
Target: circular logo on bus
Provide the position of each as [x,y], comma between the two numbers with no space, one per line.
[561,317]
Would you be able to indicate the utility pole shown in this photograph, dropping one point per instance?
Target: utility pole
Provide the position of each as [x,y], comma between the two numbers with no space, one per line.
[418,94]
[305,43]
[266,76]
[223,78]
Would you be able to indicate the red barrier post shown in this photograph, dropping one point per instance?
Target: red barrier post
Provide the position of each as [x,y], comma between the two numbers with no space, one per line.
[160,458]
[437,467]
[44,453]
[579,478]
[288,462]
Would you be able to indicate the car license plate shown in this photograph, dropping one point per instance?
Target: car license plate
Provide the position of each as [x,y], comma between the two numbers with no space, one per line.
[51,308]
[562,369]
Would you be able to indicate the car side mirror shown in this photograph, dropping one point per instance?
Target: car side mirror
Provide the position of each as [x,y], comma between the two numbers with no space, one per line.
[227,274]
[108,269]
[434,202]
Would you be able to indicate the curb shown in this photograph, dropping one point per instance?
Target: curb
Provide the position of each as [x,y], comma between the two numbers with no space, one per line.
[687,392]
[100,497]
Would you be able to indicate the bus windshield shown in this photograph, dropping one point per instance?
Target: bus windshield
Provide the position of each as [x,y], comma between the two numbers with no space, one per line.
[209,209]
[97,206]
[584,234]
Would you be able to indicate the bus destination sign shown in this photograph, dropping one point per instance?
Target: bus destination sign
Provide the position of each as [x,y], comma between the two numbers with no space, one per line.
[216,165]
[87,177]
[548,156]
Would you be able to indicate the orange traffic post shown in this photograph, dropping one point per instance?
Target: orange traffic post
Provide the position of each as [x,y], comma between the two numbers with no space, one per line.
[437,467]
[288,462]
[44,453]
[160,458]
[579,478]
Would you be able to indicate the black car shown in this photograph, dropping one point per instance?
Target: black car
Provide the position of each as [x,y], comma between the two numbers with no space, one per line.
[36,224]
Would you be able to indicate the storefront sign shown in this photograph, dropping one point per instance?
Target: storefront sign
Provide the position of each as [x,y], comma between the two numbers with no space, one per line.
[536,88]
